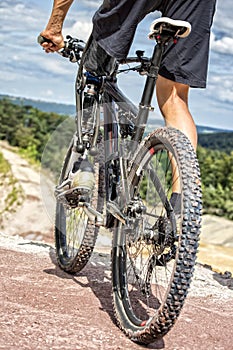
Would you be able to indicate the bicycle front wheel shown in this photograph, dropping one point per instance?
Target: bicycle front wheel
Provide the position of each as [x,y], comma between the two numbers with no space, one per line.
[75,235]
[154,252]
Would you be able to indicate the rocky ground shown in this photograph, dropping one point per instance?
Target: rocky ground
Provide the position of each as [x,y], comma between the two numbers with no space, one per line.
[42,307]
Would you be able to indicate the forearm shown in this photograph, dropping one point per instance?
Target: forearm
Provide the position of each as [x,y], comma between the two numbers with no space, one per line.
[59,12]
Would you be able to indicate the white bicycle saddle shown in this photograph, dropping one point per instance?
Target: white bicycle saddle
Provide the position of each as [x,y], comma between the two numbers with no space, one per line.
[179,28]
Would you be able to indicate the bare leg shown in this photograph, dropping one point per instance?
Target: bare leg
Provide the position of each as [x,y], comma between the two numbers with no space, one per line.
[173,102]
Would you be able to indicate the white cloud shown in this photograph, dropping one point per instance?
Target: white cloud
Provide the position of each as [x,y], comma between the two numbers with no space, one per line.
[223,45]
[223,18]
[222,36]
[221,87]
[80,29]
[93,4]
[19,17]
[48,93]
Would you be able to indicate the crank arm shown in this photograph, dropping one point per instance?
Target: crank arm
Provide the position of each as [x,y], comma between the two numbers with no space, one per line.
[94,216]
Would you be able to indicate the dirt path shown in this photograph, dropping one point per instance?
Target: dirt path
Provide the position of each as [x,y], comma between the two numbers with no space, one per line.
[30,220]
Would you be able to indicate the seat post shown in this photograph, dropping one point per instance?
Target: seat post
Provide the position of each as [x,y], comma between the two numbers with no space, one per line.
[145,104]
[152,74]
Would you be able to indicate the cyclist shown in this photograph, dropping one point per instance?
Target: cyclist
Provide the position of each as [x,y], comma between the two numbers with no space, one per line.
[184,64]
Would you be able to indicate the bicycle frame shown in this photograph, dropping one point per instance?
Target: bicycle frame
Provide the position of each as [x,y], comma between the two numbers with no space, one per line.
[111,92]
[117,152]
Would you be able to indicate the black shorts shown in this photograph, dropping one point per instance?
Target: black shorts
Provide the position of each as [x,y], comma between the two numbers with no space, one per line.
[115,23]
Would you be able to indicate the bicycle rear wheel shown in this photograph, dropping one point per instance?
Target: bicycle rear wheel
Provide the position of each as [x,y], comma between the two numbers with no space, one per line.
[75,235]
[154,253]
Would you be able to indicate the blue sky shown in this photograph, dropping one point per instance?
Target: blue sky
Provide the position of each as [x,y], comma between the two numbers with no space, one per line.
[28,72]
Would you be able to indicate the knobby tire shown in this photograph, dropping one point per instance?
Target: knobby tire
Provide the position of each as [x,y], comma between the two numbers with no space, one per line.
[151,280]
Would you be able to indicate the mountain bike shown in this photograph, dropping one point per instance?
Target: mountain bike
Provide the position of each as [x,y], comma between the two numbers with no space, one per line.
[155,240]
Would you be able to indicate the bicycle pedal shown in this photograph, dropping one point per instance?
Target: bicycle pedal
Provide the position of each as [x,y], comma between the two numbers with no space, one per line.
[74,196]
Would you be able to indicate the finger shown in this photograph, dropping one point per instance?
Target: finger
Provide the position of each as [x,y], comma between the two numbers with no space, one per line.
[47,45]
[48,49]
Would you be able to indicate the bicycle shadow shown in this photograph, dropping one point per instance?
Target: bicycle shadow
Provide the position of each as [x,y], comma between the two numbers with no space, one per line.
[98,275]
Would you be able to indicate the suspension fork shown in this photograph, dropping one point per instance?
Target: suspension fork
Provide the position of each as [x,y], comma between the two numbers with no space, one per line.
[85,100]
[110,144]
[115,156]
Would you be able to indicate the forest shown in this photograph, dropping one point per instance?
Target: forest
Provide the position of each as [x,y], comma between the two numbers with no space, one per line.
[221,141]
[32,131]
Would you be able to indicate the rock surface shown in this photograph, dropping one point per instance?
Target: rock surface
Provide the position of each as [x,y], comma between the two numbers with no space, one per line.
[43,308]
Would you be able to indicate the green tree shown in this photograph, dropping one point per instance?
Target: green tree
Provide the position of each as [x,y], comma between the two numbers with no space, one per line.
[217,181]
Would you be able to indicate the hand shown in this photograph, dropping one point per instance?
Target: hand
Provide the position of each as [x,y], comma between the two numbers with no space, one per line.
[55,41]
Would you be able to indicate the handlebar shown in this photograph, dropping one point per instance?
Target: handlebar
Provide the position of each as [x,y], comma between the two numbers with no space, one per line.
[73,47]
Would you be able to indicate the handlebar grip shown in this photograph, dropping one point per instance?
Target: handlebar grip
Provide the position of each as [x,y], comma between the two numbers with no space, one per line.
[41,39]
